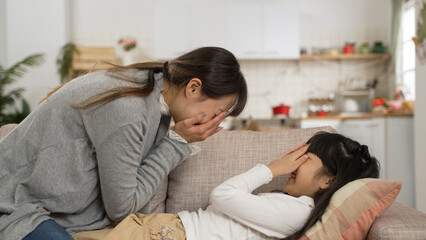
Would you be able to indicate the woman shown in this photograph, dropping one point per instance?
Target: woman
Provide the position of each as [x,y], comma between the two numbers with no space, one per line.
[99,147]
[317,171]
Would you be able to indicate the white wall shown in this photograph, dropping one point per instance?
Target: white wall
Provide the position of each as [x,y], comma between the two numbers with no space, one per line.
[36,27]
[420,136]
[3,56]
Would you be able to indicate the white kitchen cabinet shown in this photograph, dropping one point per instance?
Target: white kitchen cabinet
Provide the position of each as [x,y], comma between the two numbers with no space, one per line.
[208,25]
[281,31]
[334,123]
[265,31]
[370,132]
[172,31]
[181,28]
[400,156]
[250,31]
[245,30]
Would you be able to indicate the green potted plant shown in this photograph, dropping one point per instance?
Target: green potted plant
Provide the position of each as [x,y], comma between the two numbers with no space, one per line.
[9,113]
[64,60]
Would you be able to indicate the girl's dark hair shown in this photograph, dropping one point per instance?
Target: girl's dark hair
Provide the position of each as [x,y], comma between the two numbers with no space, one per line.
[343,158]
[217,68]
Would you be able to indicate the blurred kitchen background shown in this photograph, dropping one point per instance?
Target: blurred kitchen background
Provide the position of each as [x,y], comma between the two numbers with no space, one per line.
[350,64]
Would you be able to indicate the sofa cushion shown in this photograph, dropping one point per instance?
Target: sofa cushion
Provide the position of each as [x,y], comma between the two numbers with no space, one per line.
[399,222]
[224,155]
[158,203]
[353,208]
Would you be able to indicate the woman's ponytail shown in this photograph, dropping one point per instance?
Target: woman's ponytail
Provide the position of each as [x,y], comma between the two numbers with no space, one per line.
[217,68]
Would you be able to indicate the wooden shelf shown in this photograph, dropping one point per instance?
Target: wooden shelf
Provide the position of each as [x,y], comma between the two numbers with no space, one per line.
[91,58]
[356,56]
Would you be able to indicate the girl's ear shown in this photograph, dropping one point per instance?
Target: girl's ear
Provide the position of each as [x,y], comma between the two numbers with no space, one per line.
[327,181]
[193,88]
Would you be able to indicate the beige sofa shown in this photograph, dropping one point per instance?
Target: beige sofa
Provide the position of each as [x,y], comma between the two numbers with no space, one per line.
[232,152]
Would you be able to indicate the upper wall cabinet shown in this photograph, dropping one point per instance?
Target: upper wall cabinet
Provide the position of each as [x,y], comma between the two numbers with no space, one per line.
[172,31]
[207,26]
[259,31]
[245,30]
[250,31]
[281,31]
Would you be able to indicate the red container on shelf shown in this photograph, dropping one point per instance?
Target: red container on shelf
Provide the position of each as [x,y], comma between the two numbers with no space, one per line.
[321,113]
[281,110]
[349,48]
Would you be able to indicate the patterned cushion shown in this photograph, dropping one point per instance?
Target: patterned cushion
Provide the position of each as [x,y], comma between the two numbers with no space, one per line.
[353,208]
[224,155]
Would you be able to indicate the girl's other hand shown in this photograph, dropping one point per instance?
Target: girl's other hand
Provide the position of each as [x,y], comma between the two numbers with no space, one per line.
[192,130]
[289,161]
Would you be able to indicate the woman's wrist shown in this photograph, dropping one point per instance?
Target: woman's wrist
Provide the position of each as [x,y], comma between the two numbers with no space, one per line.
[175,136]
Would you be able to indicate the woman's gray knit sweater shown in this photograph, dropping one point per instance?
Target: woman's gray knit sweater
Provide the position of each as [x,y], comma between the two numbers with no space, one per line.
[85,168]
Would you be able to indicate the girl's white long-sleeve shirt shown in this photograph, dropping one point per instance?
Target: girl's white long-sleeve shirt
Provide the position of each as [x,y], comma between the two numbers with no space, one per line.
[235,213]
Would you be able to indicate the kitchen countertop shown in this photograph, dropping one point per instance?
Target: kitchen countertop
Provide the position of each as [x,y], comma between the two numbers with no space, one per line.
[360,115]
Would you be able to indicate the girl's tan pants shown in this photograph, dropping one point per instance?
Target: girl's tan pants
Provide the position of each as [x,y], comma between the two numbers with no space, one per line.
[139,226]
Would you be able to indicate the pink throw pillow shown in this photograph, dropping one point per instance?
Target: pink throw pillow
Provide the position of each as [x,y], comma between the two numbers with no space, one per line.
[353,208]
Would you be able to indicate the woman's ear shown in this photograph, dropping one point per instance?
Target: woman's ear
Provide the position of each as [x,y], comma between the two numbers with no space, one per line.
[193,88]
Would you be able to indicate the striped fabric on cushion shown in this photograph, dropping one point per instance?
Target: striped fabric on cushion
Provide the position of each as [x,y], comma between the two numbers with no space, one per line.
[353,208]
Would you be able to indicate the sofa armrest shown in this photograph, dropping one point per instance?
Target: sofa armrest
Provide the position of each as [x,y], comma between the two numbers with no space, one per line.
[399,222]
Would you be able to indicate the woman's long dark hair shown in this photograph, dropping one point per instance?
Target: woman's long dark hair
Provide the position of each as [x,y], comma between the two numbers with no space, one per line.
[343,158]
[217,68]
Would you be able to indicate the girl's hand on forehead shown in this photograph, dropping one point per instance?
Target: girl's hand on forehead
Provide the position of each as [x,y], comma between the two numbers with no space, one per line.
[194,129]
[288,152]
[289,161]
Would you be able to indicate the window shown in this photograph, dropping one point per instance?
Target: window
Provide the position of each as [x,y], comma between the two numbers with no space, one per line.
[406,75]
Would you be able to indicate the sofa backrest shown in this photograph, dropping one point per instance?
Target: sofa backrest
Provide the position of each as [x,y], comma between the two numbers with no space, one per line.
[224,155]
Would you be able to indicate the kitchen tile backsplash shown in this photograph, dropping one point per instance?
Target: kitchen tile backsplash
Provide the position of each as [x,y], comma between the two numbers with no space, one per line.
[273,82]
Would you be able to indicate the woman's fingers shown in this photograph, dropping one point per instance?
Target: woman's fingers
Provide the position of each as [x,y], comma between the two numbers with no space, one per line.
[212,126]
[195,120]
[191,130]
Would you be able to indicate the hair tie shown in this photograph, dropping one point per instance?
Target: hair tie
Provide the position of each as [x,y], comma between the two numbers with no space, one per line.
[165,70]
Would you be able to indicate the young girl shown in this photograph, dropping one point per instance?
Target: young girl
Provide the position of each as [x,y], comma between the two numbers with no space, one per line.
[98,148]
[317,170]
